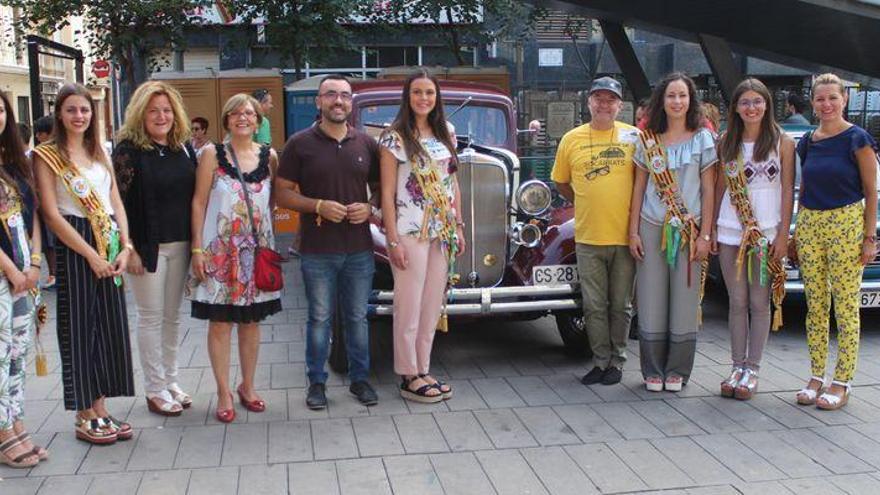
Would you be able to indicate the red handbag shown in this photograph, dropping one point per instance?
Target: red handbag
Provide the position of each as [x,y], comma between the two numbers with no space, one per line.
[267,261]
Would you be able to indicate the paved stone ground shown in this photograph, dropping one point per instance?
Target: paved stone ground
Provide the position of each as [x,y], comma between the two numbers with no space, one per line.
[520,422]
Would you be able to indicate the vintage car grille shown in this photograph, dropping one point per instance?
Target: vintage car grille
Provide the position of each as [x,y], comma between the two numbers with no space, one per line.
[484,197]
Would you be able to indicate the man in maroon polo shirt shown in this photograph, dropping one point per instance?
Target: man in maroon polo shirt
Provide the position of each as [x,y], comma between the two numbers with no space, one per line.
[333,163]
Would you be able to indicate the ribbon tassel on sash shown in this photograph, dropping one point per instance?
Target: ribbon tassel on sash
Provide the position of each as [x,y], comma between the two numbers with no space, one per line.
[754,243]
[680,228]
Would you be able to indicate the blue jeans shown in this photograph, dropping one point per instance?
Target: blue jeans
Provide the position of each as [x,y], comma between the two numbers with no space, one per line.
[347,278]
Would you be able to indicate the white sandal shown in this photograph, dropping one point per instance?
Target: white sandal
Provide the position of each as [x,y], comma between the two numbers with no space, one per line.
[179,395]
[831,402]
[807,396]
[163,404]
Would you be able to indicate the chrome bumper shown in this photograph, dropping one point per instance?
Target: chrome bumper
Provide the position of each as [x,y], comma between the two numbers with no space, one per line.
[797,286]
[494,300]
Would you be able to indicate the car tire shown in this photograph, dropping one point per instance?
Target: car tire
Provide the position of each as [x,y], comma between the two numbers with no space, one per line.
[338,355]
[574,334]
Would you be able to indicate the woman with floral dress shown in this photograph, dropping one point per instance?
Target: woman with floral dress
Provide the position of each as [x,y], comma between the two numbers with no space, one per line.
[420,199]
[222,287]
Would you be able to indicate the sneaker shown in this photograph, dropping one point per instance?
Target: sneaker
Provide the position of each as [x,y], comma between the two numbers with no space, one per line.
[364,393]
[593,377]
[612,375]
[316,398]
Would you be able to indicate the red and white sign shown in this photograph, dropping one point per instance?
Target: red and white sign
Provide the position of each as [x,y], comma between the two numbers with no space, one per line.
[101,69]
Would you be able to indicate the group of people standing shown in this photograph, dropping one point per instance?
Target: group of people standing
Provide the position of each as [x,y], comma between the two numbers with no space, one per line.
[651,213]
[178,222]
[174,222]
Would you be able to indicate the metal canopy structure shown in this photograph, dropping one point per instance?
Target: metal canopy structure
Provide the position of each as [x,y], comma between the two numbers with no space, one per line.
[815,35]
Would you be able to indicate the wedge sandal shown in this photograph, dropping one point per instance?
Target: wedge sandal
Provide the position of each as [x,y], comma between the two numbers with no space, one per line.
[22,461]
[421,394]
[93,431]
[446,394]
[832,402]
[807,396]
[41,452]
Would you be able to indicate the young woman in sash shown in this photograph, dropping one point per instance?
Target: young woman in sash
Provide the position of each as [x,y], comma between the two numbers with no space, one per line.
[836,236]
[20,266]
[156,170]
[423,228]
[221,286]
[669,235]
[80,203]
[756,192]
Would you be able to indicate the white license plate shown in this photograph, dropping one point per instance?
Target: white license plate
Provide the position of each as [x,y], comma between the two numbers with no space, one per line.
[870,298]
[555,274]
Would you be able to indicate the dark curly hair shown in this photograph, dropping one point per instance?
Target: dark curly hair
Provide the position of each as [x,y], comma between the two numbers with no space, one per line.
[657,113]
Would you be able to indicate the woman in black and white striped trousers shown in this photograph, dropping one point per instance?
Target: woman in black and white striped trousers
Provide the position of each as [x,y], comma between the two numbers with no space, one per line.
[92,323]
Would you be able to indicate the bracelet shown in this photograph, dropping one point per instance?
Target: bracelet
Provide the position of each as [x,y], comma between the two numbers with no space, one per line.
[36,258]
[871,238]
[197,251]
[128,245]
[37,266]
[318,212]
[459,223]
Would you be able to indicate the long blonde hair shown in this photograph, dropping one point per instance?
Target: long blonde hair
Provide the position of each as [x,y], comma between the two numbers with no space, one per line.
[135,130]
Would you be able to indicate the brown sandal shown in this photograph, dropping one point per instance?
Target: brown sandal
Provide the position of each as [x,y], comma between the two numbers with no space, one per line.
[40,452]
[20,461]
[93,431]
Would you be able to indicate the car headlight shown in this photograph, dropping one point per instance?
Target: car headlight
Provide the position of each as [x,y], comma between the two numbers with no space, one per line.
[533,197]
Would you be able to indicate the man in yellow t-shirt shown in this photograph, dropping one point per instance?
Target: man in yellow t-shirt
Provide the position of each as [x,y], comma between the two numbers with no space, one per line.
[594,170]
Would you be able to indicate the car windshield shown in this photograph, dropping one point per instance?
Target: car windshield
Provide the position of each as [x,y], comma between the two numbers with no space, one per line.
[485,125]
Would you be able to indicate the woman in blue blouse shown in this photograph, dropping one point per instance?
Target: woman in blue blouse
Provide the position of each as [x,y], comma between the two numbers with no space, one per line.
[836,236]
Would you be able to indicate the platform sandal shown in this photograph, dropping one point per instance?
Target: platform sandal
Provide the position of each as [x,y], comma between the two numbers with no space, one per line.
[123,429]
[22,461]
[831,402]
[728,385]
[673,383]
[654,384]
[747,386]
[421,394]
[93,431]
[40,452]
[446,394]
[180,396]
[807,396]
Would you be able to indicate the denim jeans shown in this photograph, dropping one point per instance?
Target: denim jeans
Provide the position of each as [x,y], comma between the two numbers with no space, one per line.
[347,278]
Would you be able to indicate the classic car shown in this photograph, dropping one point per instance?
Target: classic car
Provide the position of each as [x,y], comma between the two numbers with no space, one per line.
[520,261]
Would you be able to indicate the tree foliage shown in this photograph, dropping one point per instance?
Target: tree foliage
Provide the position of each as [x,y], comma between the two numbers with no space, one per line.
[464,22]
[301,30]
[123,31]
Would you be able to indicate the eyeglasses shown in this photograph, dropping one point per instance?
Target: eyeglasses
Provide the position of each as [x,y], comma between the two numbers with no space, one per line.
[249,114]
[598,171]
[333,95]
[196,128]
[756,103]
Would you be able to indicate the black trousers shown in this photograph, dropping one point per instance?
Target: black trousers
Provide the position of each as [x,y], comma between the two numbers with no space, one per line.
[92,327]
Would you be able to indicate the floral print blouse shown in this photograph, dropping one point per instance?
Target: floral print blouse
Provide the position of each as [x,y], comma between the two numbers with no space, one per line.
[411,201]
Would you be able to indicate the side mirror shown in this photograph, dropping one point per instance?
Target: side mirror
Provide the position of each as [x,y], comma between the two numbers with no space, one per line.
[534,128]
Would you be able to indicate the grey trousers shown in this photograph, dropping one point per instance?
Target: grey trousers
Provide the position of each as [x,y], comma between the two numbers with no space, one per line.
[749,314]
[667,309]
[607,274]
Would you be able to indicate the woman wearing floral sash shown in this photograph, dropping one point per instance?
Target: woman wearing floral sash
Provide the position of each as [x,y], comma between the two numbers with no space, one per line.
[670,239]
[423,227]
[756,192]
[20,266]
[81,205]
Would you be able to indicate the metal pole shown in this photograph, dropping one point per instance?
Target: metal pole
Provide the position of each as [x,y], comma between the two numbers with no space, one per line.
[34,74]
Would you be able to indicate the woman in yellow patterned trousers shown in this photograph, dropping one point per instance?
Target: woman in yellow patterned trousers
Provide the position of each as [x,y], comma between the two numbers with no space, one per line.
[836,237]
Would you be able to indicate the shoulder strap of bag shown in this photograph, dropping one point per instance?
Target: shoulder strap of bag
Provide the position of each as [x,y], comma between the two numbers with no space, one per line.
[247,194]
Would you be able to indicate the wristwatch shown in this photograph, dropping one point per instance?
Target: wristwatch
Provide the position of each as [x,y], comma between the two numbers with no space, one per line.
[707,237]
[393,244]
